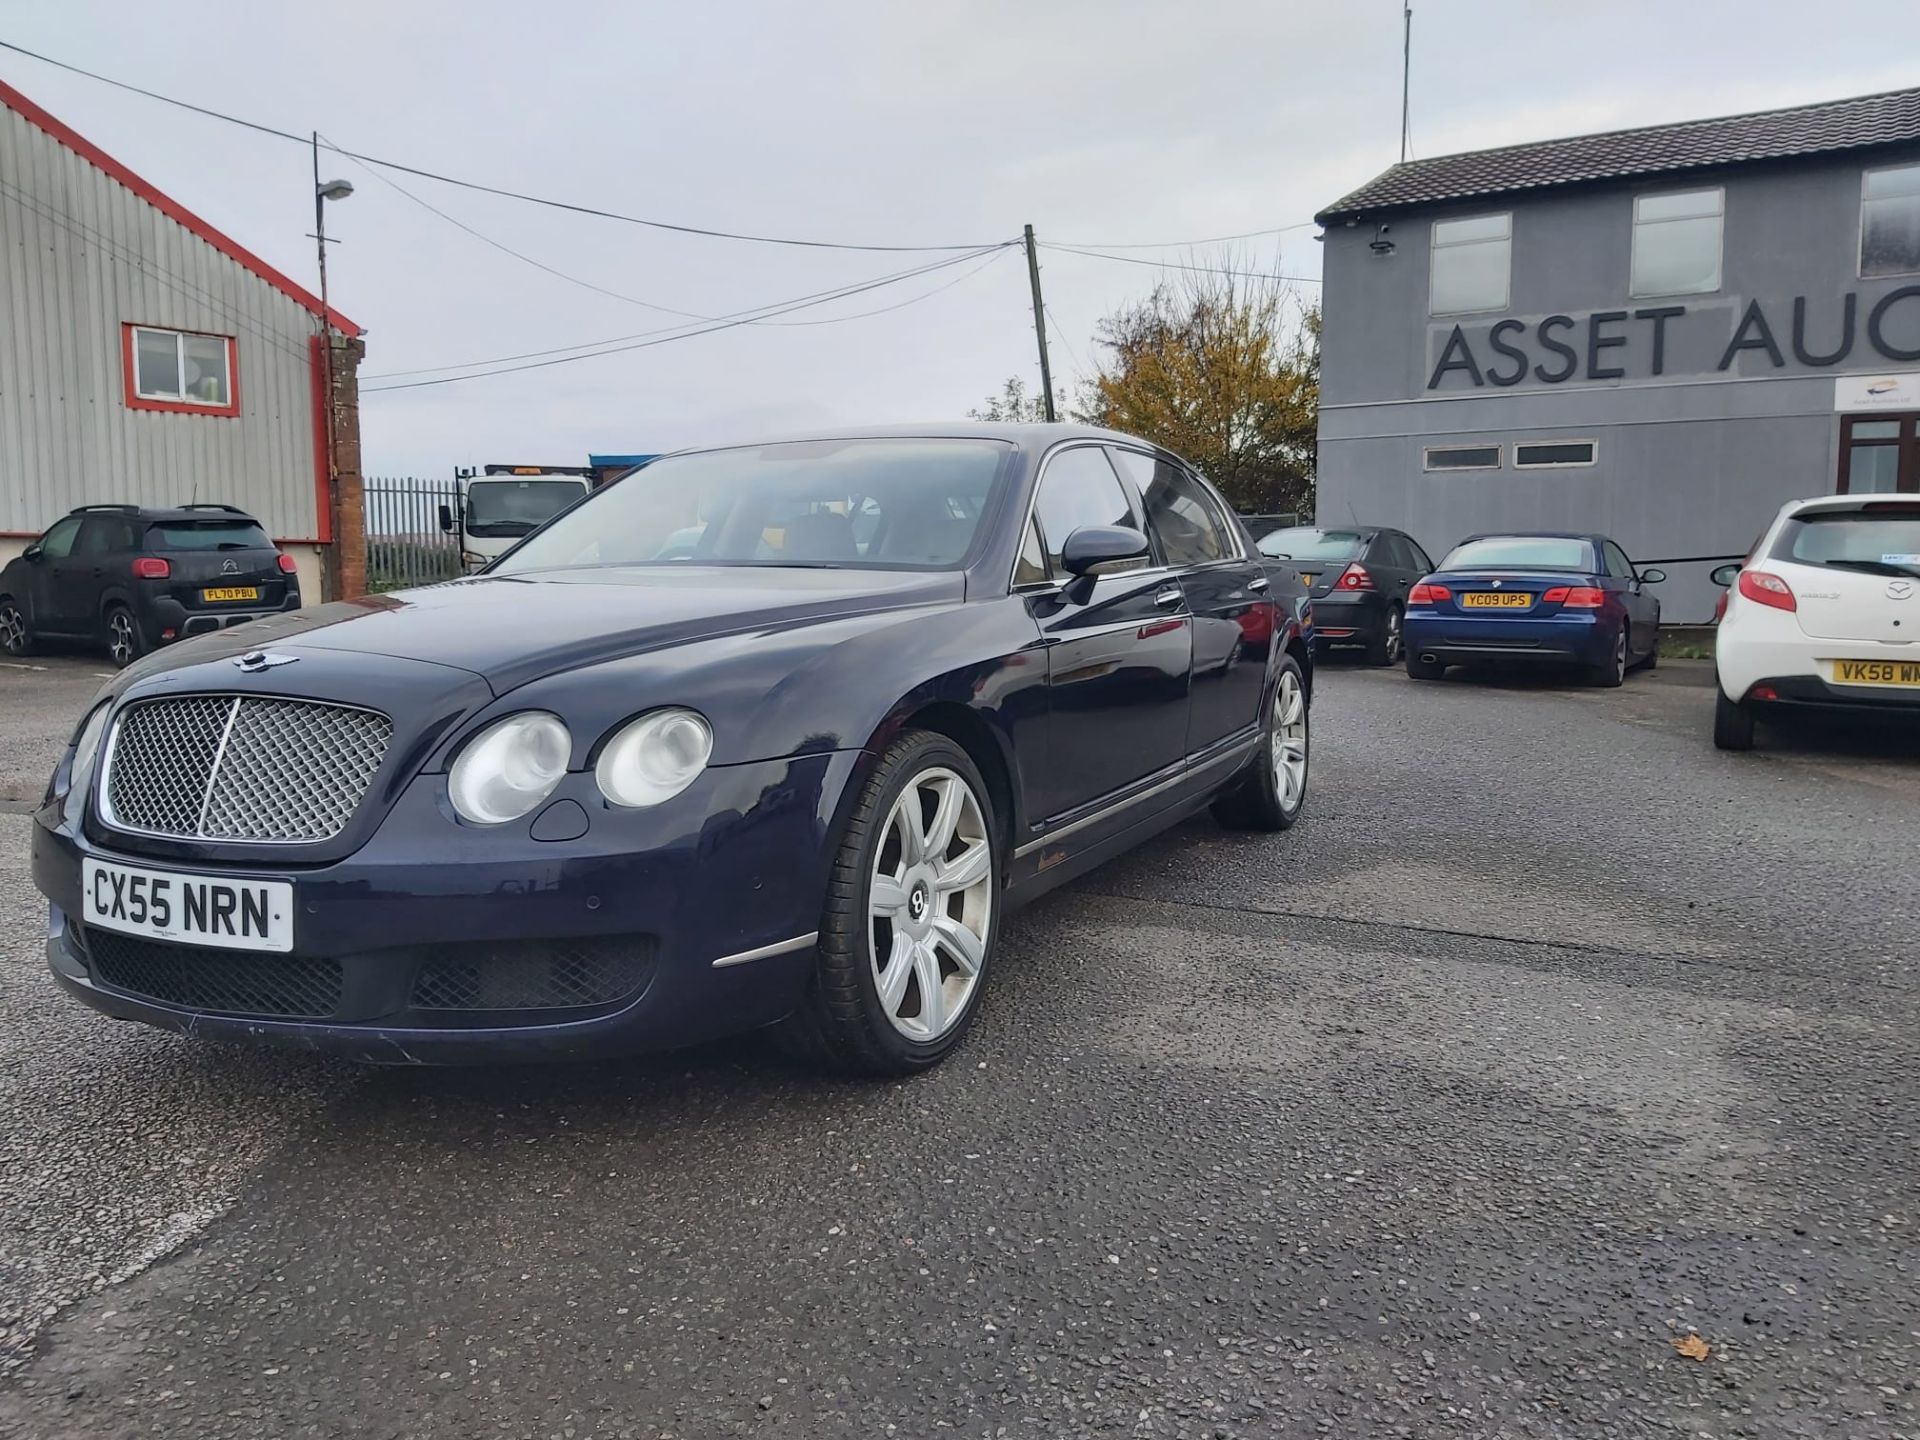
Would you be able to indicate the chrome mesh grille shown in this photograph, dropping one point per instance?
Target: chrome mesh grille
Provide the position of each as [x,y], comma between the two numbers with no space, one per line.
[225,767]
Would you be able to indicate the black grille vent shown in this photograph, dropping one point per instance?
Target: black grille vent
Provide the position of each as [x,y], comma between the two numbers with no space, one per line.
[535,974]
[230,982]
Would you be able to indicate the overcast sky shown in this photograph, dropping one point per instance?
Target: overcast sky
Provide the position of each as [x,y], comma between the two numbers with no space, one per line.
[1101,122]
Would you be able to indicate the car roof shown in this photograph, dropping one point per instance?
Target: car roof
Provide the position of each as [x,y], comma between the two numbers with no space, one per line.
[156,514]
[1839,502]
[1033,436]
[1590,536]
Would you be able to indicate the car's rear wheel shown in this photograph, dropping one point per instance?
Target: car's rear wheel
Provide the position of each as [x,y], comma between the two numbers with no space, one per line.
[123,636]
[1273,788]
[1613,672]
[1419,669]
[908,930]
[1385,648]
[16,636]
[1732,722]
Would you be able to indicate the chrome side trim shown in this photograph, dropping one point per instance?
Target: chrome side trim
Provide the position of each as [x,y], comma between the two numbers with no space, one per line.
[767,952]
[1186,772]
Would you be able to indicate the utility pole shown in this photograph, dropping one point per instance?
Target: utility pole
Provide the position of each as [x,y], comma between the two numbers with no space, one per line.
[1040,324]
[1406,70]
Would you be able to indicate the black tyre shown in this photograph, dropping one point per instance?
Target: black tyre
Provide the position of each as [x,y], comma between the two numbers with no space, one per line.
[1418,669]
[1385,648]
[912,908]
[1613,672]
[1732,722]
[16,635]
[1652,662]
[1270,792]
[124,645]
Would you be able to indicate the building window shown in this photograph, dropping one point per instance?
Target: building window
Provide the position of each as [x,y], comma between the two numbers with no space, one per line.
[180,370]
[1470,266]
[1462,457]
[1676,242]
[1554,454]
[1880,455]
[1890,221]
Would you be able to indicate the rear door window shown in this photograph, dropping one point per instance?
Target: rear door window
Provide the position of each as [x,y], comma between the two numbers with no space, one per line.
[1181,515]
[236,534]
[1618,563]
[1881,539]
[102,535]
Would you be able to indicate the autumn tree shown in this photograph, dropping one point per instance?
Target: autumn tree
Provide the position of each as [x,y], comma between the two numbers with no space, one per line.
[1224,370]
[1014,403]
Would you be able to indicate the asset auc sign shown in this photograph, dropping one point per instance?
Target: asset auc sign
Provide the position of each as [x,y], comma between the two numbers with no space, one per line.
[1559,348]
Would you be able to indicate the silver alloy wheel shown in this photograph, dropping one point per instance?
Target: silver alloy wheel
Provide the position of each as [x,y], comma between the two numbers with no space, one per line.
[1620,654]
[13,629]
[120,637]
[1290,741]
[930,904]
[1393,635]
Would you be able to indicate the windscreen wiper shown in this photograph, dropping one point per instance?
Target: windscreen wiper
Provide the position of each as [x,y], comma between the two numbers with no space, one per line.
[1875,567]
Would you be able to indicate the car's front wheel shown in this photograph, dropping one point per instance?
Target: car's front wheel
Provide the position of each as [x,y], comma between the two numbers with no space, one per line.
[907,933]
[16,636]
[1732,722]
[1272,790]
[123,637]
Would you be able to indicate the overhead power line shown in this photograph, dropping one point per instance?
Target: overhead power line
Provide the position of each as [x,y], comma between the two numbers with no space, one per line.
[1171,265]
[685,333]
[1181,244]
[480,186]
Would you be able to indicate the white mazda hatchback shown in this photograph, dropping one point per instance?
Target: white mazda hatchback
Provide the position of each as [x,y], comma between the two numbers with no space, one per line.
[1825,612]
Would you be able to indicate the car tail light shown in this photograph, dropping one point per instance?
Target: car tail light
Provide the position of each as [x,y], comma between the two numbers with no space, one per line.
[1584,597]
[287,564]
[1355,577]
[1766,589]
[1427,593]
[151,567]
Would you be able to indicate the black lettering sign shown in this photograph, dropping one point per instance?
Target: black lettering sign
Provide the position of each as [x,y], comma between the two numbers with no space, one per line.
[224,905]
[1832,357]
[1877,337]
[1558,347]
[194,897]
[253,912]
[1496,338]
[137,899]
[160,903]
[119,883]
[100,896]
[1598,340]
[1761,338]
[1448,361]
[1659,315]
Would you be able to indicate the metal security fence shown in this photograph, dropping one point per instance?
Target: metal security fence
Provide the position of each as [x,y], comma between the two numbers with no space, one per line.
[405,544]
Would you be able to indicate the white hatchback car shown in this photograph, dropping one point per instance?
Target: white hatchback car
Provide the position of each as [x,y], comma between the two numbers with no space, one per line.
[1825,612]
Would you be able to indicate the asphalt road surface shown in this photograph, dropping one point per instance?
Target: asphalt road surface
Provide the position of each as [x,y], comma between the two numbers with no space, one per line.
[1549,1039]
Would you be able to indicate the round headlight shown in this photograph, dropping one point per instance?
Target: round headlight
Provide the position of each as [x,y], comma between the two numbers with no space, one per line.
[654,758]
[509,767]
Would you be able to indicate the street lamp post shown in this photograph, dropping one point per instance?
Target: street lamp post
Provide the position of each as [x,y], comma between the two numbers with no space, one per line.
[322,193]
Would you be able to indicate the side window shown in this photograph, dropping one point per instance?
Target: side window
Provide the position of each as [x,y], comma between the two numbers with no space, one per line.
[1031,567]
[1422,561]
[57,543]
[1079,488]
[1181,514]
[99,535]
[1618,563]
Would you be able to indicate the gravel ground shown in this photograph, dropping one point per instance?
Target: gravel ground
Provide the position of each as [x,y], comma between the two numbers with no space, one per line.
[1549,1039]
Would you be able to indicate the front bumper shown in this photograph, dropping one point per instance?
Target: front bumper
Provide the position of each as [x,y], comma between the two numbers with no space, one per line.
[1581,638]
[440,942]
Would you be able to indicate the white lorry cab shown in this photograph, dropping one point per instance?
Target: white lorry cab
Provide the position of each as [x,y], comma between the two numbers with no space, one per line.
[498,504]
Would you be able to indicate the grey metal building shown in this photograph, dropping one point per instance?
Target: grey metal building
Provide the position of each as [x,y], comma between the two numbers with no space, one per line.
[1662,334]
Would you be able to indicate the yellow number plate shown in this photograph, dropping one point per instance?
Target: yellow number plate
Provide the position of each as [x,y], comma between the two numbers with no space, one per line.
[1495,600]
[1876,672]
[232,592]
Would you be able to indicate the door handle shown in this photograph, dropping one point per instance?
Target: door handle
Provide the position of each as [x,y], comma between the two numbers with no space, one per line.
[1170,596]
[1257,583]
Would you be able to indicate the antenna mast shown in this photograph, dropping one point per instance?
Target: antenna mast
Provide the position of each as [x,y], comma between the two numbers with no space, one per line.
[1406,68]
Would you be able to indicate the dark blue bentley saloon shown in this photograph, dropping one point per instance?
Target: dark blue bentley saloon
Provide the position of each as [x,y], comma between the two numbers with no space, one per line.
[762,736]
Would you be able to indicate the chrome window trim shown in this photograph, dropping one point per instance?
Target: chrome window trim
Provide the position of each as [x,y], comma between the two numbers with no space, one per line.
[1077,442]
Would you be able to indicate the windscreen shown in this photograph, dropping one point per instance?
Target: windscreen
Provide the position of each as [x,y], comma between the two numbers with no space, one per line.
[1306,543]
[513,507]
[1522,552]
[909,504]
[239,534]
[1879,539]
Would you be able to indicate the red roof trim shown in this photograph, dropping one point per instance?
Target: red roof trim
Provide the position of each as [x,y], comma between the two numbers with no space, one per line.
[172,209]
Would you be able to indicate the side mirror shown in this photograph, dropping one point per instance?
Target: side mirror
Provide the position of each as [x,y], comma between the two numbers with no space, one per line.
[1725,575]
[34,552]
[1652,577]
[446,518]
[1094,549]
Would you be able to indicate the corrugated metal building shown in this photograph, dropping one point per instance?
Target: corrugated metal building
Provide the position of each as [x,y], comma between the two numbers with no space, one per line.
[1662,334]
[144,356]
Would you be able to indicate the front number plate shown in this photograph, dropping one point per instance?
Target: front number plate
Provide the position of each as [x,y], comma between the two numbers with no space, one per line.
[1876,672]
[231,592]
[213,910]
[1495,600]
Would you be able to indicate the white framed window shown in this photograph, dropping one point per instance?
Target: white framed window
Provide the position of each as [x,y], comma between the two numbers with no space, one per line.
[1460,457]
[181,370]
[1890,221]
[1676,242]
[1471,265]
[1554,454]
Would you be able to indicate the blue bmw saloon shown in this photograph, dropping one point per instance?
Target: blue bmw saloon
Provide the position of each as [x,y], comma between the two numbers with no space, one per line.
[760,736]
[1570,599]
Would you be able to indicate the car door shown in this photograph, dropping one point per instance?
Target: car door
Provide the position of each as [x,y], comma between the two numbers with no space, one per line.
[1226,591]
[54,555]
[1399,568]
[1119,645]
[79,579]
[1643,610]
